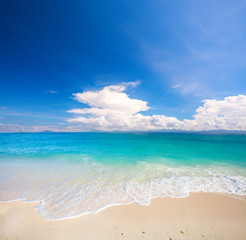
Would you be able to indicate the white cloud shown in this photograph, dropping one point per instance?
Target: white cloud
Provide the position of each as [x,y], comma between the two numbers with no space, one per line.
[177,86]
[11,128]
[228,114]
[50,91]
[20,128]
[112,109]
[111,100]
[131,84]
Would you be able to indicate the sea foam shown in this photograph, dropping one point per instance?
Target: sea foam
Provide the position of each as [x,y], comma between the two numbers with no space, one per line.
[73,189]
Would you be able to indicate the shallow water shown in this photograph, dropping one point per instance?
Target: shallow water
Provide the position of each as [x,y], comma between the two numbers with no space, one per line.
[76,173]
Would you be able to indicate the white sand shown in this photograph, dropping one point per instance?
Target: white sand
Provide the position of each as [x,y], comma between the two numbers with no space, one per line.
[199,216]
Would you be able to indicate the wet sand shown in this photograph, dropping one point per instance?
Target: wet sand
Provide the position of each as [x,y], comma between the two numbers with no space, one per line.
[199,216]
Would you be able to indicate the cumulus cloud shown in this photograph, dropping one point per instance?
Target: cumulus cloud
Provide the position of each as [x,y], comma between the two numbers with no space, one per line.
[110,101]
[227,114]
[112,109]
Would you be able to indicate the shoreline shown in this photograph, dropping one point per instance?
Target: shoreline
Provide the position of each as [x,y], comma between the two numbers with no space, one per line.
[37,202]
[197,216]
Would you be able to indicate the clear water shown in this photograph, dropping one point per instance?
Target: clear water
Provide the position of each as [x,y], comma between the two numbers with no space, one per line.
[76,173]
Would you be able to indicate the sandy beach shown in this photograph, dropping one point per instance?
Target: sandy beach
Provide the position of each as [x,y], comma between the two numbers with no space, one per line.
[199,216]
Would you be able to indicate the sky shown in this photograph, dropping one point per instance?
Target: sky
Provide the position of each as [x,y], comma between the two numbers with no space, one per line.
[122,65]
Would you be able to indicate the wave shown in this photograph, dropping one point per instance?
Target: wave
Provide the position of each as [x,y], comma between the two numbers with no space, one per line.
[74,189]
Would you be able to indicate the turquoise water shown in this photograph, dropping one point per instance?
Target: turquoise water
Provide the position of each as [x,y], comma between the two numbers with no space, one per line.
[76,173]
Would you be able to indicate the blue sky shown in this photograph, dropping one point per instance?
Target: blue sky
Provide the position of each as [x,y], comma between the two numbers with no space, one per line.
[181,51]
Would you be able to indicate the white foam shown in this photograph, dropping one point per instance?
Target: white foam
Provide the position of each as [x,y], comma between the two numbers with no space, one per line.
[75,189]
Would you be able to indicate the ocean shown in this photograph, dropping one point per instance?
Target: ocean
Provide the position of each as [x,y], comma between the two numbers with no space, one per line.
[72,174]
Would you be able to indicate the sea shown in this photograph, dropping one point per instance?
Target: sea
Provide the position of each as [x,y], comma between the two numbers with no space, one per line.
[72,174]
